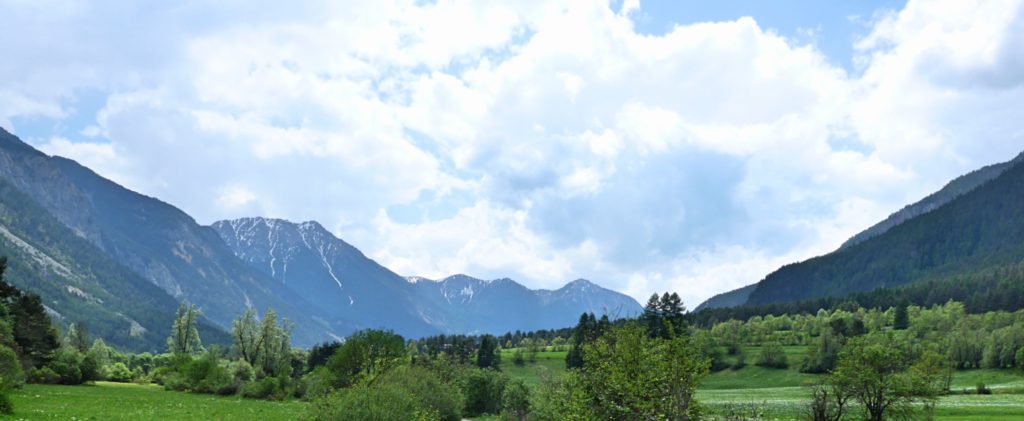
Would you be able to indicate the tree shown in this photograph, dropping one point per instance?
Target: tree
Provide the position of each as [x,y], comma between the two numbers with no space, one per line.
[519,360]
[265,345]
[487,356]
[275,358]
[901,320]
[877,373]
[11,376]
[320,353]
[246,338]
[34,339]
[77,337]
[364,356]
[772,356]
[628,375]
[516,400]
[828,402]
[184,339]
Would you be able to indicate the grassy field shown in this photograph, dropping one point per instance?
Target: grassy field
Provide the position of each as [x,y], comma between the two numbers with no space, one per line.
[118,401]
[782,394]
[549,362]
[770,393]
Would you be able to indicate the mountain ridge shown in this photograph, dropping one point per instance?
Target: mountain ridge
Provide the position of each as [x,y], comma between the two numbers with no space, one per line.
[455,304]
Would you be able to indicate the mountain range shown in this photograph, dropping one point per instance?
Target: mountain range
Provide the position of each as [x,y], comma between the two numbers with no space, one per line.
[974,222]
[122,262]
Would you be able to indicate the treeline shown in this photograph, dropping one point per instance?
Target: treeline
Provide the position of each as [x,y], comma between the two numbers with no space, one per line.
[988,290]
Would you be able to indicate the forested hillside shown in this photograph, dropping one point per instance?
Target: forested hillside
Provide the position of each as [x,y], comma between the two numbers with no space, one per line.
[72,275]
[983,228]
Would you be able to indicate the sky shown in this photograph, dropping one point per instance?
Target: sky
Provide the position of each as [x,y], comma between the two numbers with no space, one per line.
[686,146]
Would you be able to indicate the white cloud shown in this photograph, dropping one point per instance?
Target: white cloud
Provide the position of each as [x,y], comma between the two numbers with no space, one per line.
[542,141]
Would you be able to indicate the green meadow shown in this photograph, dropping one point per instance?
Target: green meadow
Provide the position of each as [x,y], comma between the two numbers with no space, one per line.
[127,401]
[782,394]
[747,392]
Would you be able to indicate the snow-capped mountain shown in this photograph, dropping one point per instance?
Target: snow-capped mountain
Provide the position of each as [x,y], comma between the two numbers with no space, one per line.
[337,277]
[122,262]
[327,272]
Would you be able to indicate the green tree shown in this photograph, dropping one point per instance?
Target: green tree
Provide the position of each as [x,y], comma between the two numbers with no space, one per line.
[901,320]
[487,355]
[265,345]
[515,401]
[628,375]
[877,373]
[184,339]
[11,376]
[586,331]
[772,356]
[78,337]
[364,356]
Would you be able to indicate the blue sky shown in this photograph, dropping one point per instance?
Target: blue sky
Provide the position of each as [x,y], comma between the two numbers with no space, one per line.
[648,146]
[832,26]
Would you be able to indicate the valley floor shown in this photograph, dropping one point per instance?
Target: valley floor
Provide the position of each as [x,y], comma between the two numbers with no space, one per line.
[769,393]
[781,394]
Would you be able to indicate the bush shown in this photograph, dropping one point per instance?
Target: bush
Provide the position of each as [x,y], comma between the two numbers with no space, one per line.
[118,372]
[273,388]
[358,403]
[483,390]
[741,360]
[318,383]
[515,401]
[772,356]
[242,371]
[982,389]
[441,399]
[90,368]
[218,381]
[67,364]
[43,375]
[11,375]
[6,408]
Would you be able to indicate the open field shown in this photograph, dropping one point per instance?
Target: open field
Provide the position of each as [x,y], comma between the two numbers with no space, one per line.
[548,363]
[119,401]
[781,394]
[770,393]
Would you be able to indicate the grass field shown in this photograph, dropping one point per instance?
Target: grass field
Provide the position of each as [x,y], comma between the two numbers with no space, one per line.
[782,394]
[118,401]
[771,393]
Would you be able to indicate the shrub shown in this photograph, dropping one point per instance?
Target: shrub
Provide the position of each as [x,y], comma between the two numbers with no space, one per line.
[67,364]
[118,372]
[441,399]
[741,360]
[772,356]
[43,375]
[242,371]
[6,408]
[515,401]
[319,383]
[982,389]
[218,381]
[483,390]
[273,388]
[361,402]
[90,368]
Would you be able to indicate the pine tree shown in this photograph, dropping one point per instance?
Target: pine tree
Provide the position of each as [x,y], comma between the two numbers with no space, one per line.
[581,335]
[487,356]
[902,319]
